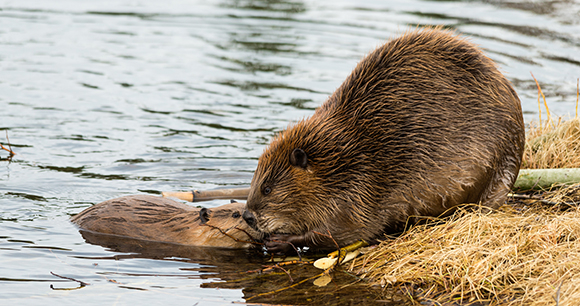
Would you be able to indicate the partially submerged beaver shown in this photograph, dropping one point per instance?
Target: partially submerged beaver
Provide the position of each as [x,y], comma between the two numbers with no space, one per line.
[422,124]
[159,219]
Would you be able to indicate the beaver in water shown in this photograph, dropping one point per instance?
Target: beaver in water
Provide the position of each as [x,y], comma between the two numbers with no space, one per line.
[422,124]
[159,219]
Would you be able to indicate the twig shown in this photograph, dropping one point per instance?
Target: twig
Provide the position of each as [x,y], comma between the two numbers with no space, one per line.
[69,278]
[234,238]
[338,249]
[294,262]
[558,293]
[292,245]
[281,264]
[537,181]
[54,288]
[407,292]
[9,149]
[577,95]
[545,104]
[285,288]
[329,235]
[539,105]
[536,199]
[248,234]
[9,145]
[285,271]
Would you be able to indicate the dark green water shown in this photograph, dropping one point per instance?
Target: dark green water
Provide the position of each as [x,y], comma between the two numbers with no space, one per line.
[107,98]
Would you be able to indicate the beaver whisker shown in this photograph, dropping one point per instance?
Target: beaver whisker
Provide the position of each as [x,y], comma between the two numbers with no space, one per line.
[248,234]
[224,232]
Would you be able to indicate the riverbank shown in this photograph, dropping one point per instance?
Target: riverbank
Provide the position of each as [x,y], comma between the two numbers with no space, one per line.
[525,253]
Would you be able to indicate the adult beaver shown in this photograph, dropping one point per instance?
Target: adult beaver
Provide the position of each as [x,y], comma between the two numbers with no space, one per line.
[159,219]
[422,124]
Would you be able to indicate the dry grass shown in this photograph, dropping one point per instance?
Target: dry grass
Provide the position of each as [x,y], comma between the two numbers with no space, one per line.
[518,255]
[553,144]
[525,253]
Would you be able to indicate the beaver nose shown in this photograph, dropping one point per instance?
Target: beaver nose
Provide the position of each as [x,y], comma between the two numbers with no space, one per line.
[250,218]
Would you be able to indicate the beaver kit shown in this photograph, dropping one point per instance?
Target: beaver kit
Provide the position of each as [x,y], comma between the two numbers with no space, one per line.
[422,124]
[158,219]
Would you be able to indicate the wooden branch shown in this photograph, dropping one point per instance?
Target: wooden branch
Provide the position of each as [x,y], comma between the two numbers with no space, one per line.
[82,284]
[6,149]
[529,179]
[9,149]
[208,195]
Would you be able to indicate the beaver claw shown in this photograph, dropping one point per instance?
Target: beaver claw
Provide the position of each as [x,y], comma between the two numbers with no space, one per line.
[280,244]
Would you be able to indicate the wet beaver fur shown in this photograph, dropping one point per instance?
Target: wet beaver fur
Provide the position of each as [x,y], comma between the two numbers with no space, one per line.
[422,124]
[159,219]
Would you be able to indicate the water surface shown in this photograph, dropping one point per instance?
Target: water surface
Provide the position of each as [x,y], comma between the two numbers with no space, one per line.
[102,99]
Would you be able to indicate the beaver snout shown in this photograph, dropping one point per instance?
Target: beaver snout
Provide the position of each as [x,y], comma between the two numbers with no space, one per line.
[250,219]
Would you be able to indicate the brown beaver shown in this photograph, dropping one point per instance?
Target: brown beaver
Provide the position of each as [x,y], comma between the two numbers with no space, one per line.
[423,123]
[159,219]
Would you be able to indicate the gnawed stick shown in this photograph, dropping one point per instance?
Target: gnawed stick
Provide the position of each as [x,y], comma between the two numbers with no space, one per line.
[528,179]
[545,178]
[208,195]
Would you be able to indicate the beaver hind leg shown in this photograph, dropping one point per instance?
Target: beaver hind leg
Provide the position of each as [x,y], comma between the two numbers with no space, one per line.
[500,185]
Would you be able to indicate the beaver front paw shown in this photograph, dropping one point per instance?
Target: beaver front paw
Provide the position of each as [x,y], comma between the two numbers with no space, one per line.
[280,244]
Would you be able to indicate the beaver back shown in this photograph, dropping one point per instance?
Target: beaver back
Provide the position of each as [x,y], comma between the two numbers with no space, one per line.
[422,124]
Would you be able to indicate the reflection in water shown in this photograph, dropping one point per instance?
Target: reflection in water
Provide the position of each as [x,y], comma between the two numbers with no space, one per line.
[456,22]
[560,9]
[253,66]
[254,86]
[242,269]
[252,42]
[282,6]
[226,258]
[298,103]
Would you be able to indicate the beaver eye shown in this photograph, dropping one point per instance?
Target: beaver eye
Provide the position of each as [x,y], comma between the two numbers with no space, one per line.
[266,190]
[235,215]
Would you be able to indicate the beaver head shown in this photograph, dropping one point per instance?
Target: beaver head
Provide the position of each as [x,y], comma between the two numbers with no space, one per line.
[223,226]
[159,219]
[302,183]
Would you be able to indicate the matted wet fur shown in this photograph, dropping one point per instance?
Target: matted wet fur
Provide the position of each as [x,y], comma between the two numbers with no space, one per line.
[423,123]
[163,220]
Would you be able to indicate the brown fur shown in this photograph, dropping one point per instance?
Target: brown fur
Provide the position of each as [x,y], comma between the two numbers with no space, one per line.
[159,219]
[422,124]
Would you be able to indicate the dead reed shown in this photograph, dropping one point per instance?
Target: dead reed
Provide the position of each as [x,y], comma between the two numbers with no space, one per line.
[553,143]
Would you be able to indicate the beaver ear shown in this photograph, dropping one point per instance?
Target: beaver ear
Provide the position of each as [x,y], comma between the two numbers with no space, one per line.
[298,158]
[204,215]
